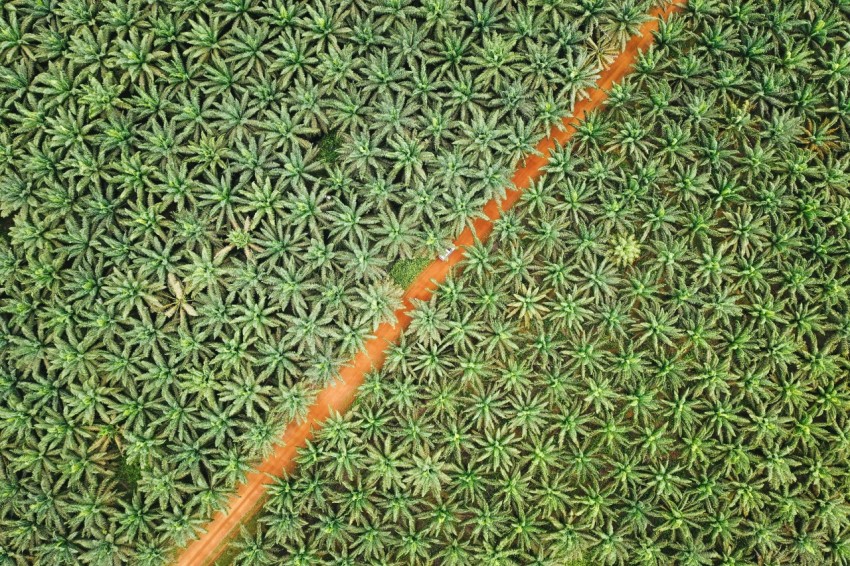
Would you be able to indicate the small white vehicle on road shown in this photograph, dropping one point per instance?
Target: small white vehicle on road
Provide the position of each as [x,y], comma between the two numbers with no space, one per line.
[447,252]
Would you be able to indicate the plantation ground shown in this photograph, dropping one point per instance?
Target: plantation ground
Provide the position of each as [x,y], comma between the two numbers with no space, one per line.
[199,205]
[649,366]
[203,201]
[336,398]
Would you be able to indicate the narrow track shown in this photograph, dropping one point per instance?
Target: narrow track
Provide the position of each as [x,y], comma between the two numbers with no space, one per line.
[338,397]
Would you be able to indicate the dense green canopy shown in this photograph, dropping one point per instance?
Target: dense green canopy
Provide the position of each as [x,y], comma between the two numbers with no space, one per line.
[649,362]
[199,203]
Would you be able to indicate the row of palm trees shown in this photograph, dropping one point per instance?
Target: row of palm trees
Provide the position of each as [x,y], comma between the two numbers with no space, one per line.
[647,364]
[200,203]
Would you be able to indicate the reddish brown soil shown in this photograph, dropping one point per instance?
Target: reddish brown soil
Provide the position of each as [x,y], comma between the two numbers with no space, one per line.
[339,396]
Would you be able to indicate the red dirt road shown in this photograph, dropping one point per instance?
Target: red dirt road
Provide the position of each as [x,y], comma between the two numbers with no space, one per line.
[339,396]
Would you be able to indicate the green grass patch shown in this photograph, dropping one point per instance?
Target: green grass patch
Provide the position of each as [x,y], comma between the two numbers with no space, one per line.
[405,271]
[128,475]
[329,147]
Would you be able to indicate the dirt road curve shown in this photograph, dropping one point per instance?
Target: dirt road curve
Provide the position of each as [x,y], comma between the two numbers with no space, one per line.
[338,397]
